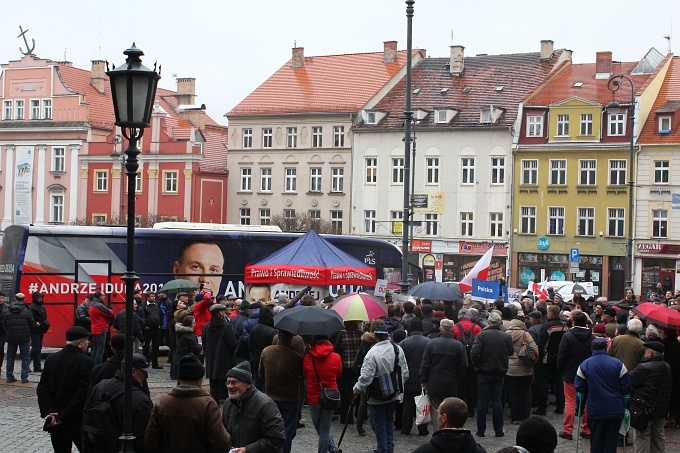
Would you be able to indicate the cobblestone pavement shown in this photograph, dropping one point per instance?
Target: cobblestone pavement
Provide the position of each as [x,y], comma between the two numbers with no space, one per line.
[21,426]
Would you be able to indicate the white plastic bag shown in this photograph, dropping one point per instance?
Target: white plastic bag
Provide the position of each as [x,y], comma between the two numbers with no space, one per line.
[423,409]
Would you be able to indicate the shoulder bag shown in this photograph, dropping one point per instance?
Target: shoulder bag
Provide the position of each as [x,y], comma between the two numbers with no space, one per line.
[328,398]
[526,355]
[388,385]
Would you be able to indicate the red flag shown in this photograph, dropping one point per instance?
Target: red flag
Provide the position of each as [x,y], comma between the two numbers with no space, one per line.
[539,291]
[479,272]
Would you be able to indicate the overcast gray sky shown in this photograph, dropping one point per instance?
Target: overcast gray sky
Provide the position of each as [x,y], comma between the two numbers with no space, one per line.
[230,47]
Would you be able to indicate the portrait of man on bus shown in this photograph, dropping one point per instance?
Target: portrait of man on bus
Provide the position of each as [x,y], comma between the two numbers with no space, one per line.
[259,292]
[203,258]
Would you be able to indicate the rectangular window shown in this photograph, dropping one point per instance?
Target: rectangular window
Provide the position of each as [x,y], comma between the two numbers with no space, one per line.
[665,125]
[57,208]
[496,223]
[265,216]
[337,179]
[315,214]
[558,172]
[397,170]
[530,172]
[431,224]
[498,170]
[336,222]
[441,116]
[247,138]
[615,219]
[397,215]
[315,179]
[338,136]
[47,109]
[101,180]
[246,179]
[170,181]
[659,223]
[289,214]
[562,125]
[369,221]
[528,220]
[291,180]
[587,124]
[266,179]
[586,221]
[617,172]
[19,109]
[58,159]
[291,137]
[466,223]
[244,216]
[661,171]
[467,165]
[587,171]
[556,220]
[98,219]
[138,182]
[267,137]
[35,109]
[534,125]
[617,124]
[370,118]
[317,137]
[371,170]
[7,110]
[432,164]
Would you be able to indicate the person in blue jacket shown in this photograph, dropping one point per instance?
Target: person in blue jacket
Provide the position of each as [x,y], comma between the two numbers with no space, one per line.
[604,381]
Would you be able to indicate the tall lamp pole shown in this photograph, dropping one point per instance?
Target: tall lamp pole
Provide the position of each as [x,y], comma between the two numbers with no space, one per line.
[116,156]
[408,114]
[133,89]
[614,85]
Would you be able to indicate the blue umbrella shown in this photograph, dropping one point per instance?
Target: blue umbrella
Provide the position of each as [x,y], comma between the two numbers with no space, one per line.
[435,291]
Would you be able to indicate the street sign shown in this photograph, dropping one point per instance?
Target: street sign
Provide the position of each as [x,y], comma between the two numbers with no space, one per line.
[573,260]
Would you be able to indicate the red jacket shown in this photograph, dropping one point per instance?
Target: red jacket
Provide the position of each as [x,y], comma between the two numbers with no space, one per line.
[329,366]
[201,315]
[466,324]
[100,316]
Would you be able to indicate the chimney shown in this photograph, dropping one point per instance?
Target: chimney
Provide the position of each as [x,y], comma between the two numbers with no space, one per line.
[457,63]
[186,91]
[298,57]
[390,51]
[195,115]
[98,76]
[603,65]
[546,49]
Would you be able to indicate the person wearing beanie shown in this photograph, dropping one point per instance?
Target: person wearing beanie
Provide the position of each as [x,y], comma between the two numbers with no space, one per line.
[219,345]
[651,382]
[62,390]
[451,435]
[414,348]
[187,418]
[609,320]
[537,435]
[250,416]
[603,381]
[42,325]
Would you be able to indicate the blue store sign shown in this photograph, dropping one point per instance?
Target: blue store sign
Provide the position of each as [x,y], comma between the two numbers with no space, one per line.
[527,276]
[543,243]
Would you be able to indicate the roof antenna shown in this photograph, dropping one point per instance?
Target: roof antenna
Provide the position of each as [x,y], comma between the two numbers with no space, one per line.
[295,43]
[65,49]
[100,39]
[451,37]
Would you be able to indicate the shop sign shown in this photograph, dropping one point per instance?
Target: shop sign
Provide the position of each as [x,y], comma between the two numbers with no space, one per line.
[655,247]
[445,247]
[421,245]
[543,243]
[479,248]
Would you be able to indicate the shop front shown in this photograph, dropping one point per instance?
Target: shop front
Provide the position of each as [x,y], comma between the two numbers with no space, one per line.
[537,267]
[659,265]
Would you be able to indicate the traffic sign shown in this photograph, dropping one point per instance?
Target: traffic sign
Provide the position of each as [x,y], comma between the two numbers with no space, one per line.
[573,255]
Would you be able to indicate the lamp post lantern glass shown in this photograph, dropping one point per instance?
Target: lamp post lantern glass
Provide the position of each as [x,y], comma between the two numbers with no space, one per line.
[133,90]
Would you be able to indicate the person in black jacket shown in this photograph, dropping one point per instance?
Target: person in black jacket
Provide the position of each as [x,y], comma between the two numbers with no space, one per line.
[151,314]
[219,346]
[119,323]
[651,382]
[107,370]
[452,436]
[187,343]
[261,336]
[414,348]
[19,324]
[83,313]
[41,327]
[3,336]
[548,346]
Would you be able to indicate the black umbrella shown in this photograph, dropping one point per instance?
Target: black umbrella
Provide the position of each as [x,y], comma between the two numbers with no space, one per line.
[436,291]
[578,289]
[305,320]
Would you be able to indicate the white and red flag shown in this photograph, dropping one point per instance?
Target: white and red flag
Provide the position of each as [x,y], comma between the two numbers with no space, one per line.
[479,272]
[541,292]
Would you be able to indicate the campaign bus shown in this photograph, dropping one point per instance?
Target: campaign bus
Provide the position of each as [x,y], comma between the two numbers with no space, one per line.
[66,263]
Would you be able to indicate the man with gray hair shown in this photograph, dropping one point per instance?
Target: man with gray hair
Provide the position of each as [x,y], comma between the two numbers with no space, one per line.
[629,348]
[444,365]
[490,353]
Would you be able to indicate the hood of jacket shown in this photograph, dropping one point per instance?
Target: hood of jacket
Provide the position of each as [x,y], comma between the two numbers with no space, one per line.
[453,439]
[517,324]
[368,337]
[321,348]
[36,295]
[16,307]
[188,391]
[581,333]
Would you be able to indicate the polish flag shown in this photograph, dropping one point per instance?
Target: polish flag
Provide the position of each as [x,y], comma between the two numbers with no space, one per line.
[540,291]
[479,272]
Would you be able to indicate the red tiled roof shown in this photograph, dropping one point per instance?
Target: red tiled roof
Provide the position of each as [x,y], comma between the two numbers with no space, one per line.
[668,99]
[323,84]
[178,128]
[518,74]
[215,149]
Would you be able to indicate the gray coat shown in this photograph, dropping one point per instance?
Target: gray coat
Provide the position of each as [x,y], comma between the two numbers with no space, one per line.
[254,423]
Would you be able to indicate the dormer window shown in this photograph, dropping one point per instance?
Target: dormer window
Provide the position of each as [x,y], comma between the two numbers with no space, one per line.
[664,125]
[441,116]
[370,118]
[489,114]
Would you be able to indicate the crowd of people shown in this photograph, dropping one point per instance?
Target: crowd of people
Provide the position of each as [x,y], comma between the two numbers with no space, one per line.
[597,358]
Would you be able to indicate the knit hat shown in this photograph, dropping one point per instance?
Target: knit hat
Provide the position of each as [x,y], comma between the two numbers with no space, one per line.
[600,328]
[198,297]
[282,297]
[245,305]
[76,333]
[241,372]
[599,343]
[655,346]
[537,435]
[446,324]
[610,311]
[190,369]
[118,342]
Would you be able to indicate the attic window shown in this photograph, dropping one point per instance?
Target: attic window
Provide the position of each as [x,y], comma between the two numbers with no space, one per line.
[416,91]
[370,118]
[442,116]
[578,84]
[488,114]
[499,88]
[444,91]
[664,125]
[466,90]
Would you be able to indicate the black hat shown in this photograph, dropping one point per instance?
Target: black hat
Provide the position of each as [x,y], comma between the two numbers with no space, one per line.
[76,333]
[231,296]
[610,311]
[138,361]
[537,435]
[655,346]
[599,343]
[189,368]
[118,342]
[536,315]
[241,372]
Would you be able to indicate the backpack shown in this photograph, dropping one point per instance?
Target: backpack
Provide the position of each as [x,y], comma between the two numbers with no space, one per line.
[466,338]
[101,428]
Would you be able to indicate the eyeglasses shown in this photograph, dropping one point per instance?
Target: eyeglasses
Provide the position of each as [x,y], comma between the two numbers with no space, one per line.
[232,382]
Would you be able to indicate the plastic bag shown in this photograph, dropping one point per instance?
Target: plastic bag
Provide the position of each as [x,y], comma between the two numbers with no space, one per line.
[423,409]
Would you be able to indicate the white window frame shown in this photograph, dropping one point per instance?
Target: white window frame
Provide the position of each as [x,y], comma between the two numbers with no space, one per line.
[265,179]
[101,181]
[57,207]
[267,138]
[497,170]
[586,124]
[336,222]
[397,170]
[19,111]
[558,172]
[587,172]
[585,221]
[432,166]
[338,136]
[369,221]
[265,216]
[616,222]
[467,224]
[534,126]
[617,124]
[291,137]
[371,118]
[315,179]
[34,113]
[171,181]
[660,223]
[662,171]
[337,179]
[47,109]
[246,179]
[58,159]
[496,224]
[442,116]
[665,124]
[527,220]
[431,224]
[556,218]
[529,172]
[7,109]
[290,184]
[562,125]
[247,138]
[618,170]
[467,166]
[244,216]
[371,170]
[317,137]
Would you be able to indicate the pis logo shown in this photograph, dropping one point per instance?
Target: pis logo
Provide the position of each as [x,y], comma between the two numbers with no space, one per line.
[370,258]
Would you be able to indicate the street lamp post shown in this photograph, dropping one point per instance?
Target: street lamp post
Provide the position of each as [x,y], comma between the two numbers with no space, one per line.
[116,156]
[408,114]
[614,85]
[133,89]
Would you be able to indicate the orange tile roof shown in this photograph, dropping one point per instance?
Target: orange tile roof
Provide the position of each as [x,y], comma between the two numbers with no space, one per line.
[331,83]
[215,149]
[667,99]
